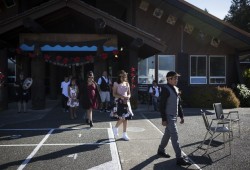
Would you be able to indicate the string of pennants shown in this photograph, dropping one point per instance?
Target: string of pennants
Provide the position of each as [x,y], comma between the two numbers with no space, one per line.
[158,13]
[61,60]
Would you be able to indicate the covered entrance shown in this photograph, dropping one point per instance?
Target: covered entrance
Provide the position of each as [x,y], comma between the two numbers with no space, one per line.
[72,23]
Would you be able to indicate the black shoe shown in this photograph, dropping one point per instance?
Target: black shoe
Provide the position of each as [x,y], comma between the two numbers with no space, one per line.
[90,123]
[163,154]
[182,162]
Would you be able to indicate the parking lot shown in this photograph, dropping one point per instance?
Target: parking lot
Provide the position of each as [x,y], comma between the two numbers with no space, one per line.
[53,141]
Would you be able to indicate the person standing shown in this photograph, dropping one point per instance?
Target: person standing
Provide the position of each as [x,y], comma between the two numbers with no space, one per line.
[170,108]
[73,102]
[122,94]
[154,91]
[65,94]
[22,94]
[91,96]
[105,85]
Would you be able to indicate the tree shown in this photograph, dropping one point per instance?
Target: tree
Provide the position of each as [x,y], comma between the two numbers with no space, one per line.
[239,14]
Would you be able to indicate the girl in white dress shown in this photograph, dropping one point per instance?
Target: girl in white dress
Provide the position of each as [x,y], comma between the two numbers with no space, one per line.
[73,102]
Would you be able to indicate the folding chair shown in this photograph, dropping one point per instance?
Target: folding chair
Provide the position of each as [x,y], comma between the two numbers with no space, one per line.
[215,130]
[232,116]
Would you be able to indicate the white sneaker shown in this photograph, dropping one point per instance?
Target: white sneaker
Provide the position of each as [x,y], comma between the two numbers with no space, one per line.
[115,131]
[125,136]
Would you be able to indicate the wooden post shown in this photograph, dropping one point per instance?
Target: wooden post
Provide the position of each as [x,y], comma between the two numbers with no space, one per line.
[53,82]
[3,88]
[38,86]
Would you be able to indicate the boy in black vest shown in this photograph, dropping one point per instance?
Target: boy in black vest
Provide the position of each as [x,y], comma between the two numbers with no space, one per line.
[105,87]
[155,91]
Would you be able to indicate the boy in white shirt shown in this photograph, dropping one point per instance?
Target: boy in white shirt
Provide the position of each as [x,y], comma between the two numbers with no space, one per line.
[64,86]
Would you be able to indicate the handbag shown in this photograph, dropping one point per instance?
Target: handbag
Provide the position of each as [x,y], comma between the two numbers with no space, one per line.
[121,109]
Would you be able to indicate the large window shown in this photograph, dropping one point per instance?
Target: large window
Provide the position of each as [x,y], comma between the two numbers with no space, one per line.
[217,69]
[165,64]
[146,70]
[198,69]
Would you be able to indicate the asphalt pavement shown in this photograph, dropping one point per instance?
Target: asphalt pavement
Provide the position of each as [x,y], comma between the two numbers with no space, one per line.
[48,139]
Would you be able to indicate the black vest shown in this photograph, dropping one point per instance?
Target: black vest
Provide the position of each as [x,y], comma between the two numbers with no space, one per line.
[104,86]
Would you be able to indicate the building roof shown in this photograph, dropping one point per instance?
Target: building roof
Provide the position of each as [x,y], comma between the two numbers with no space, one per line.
[49,14]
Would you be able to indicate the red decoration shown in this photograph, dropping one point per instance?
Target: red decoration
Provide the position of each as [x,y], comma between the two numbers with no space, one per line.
[18,50]
[89,58]
[31,55]
[104,56]
[77,59]
[65,61]
[133,75]
[47,57]
[115,52]
[58,58]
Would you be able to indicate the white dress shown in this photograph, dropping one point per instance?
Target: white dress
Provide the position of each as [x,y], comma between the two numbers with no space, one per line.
[73,101]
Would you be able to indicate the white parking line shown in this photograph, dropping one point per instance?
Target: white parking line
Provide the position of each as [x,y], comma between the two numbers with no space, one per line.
[193,163]
[26,161]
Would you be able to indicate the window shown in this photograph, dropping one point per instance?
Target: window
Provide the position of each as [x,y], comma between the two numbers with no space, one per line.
[198,69]
[146,70]
[11,71]
[217,69]
[165,64]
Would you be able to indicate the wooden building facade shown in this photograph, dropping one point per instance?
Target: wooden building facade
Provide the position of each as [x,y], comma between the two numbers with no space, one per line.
[47,39]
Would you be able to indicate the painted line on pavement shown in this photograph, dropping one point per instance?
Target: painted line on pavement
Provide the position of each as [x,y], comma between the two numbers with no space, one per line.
[26,161]
[115,163]
[193,163]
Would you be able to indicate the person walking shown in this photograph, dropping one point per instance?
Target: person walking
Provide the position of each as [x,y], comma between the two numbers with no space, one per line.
[105,85]
[73,101]
[65,94]
[122,94]
[154,92]
[170,108]
[91,96]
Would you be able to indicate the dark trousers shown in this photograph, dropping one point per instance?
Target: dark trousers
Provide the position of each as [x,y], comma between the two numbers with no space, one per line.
[64,102]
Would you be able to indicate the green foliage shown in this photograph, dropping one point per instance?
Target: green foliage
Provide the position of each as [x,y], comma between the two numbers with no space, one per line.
[246,76]
[239,14]
[204,97]
[243,94]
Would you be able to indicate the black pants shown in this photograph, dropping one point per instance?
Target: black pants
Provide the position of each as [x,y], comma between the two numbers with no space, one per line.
[64,102]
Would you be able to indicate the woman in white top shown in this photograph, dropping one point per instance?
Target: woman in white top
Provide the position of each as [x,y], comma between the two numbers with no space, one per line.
[121,92]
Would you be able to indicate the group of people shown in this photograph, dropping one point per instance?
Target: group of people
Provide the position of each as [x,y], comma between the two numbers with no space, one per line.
[97,94]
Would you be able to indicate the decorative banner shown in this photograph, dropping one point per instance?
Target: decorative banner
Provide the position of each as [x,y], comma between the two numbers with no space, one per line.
[144,5]
[189,28]
[158,13]
[66,61]
[171,20]
[215,42]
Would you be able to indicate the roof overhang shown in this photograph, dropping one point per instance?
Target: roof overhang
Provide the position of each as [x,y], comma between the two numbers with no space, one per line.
[151,43]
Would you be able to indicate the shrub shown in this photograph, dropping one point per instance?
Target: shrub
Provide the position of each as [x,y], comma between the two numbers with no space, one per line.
[243,93]
[204,97]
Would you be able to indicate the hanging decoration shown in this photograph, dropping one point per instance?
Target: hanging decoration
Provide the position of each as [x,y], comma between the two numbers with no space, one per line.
[66,61]
[188,28]
[46,57]
[133,76]
[144,5]
[171,20]
[104,56]
[2,77]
